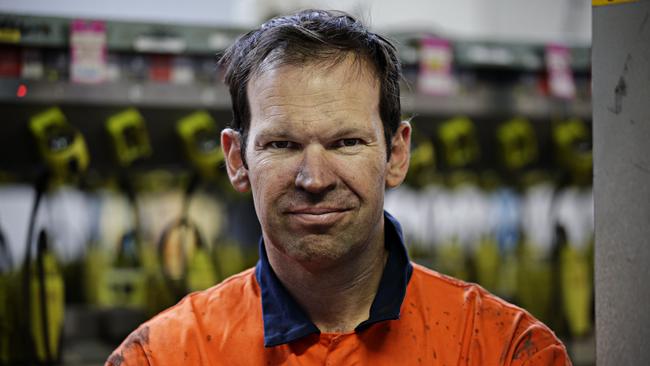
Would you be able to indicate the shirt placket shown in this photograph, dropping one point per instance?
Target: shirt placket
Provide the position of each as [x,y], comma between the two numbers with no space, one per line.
[336,350]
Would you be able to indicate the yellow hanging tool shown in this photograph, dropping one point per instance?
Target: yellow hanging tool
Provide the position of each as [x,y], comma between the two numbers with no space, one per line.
[535,280]
[185,261]
[577,287]
[184,255]
[200,137]
[573,149]
[5,299]
[487,263]
[460,149]
[64,153]
[125,283]
[517,143]
[459,142]
[230,258]
[422,165]
[61,146]
[48,301]
[129,135]
[452,260]
[518,149]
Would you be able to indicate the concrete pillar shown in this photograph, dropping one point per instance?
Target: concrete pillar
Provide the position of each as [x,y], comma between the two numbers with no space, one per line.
[621,120]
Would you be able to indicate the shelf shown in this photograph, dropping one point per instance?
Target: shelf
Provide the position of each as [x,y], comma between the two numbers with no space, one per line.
[125,36]
[422,104]
[549,107]
[120,93]
[166,95]
[488,104]
[40,31]
[519,56]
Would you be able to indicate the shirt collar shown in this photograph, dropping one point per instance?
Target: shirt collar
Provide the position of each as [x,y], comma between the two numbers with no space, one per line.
[285,321]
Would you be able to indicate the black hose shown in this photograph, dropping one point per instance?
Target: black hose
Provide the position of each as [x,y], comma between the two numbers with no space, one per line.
[39,186]
[40,252]
[6,263]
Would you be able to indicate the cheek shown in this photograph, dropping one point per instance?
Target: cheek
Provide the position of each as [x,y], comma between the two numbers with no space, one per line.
[269,178]
[363,175]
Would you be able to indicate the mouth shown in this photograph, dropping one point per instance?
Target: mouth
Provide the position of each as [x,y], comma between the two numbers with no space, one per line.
[318,216]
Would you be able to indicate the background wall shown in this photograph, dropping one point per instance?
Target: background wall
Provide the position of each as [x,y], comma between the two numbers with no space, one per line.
[529,20]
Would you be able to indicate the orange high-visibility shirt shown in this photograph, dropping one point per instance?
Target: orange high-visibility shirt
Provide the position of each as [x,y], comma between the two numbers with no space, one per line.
[419,317]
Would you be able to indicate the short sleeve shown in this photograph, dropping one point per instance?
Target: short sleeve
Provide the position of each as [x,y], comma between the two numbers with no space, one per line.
[554,355]
[132,351]
[538,346]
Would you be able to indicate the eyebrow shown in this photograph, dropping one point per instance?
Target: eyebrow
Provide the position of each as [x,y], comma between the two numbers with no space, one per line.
[275,133]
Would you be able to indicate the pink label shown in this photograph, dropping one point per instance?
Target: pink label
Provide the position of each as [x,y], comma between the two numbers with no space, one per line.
[436,59]
[88,51]
[560,75]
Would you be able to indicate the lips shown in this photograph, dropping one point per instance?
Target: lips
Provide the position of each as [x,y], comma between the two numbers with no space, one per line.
[318,216]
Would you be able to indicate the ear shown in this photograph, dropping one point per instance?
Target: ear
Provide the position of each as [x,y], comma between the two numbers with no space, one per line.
[400,155]
[237,172]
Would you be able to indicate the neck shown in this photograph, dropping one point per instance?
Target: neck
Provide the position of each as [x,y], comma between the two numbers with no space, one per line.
[338,297]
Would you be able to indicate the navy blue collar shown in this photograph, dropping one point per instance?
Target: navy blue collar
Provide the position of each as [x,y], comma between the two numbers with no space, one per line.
[285,321]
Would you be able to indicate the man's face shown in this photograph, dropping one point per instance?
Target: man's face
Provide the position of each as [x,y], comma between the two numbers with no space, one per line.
[316,159]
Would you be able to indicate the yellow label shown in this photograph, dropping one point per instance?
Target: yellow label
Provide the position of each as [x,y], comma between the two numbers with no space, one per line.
[5,324]
[200,274]
[54,303]
[611,2]
[576,285]
[9,35]
[123,287]
[487,262]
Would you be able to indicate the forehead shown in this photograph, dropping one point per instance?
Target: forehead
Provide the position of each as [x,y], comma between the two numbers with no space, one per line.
[337,67]
[310,91]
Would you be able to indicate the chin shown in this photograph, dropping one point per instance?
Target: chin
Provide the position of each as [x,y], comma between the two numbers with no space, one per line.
[317,249]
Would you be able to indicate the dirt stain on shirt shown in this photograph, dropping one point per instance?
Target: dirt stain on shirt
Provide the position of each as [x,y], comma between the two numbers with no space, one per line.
[526,346]
[139,337]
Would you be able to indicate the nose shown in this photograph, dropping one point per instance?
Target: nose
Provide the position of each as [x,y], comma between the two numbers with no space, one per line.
[315,175]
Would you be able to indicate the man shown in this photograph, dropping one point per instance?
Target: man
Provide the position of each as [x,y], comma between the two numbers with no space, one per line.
[317,138]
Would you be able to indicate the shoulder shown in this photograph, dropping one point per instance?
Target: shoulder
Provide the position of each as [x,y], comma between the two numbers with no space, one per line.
[193,323]
[447,291]
[222,299]
[487,326]
[457,294]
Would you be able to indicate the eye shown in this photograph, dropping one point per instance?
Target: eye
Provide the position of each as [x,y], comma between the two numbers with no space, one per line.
[282,144]
[348,142]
